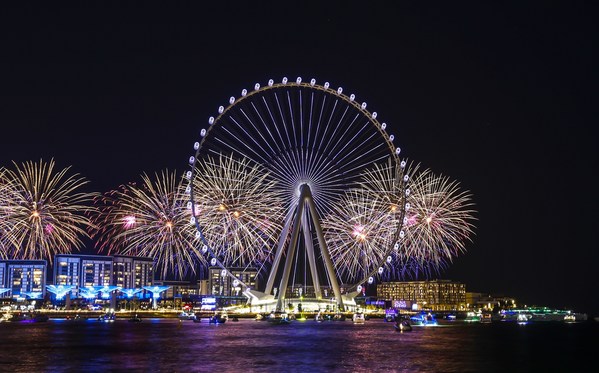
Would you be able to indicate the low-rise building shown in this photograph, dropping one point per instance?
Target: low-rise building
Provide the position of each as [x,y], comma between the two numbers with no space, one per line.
[436,295]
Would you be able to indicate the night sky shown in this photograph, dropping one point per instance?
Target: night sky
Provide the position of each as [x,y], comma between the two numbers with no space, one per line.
[502,98]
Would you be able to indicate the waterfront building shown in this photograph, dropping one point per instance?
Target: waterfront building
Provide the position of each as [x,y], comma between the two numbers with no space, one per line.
[82,270]
[223,285]
[132,272]
[86,271]
[485,301]
[184,290]
[436,295]
[23,278]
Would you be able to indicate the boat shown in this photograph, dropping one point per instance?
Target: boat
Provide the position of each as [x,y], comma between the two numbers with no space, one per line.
[403,326]
[278,318]
[523,318]
[218,318]
[319,317]
[423,319]
[77,317]
[339,317]
[5,317]
[186,316]
[472,317]
[107,317]
[359,318]
[28,317]
[570,318]
[135,319]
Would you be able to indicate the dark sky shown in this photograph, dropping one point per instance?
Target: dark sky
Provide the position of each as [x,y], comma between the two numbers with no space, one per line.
[501,97]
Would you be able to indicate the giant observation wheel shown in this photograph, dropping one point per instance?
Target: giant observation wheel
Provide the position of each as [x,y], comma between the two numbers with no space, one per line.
[275,162]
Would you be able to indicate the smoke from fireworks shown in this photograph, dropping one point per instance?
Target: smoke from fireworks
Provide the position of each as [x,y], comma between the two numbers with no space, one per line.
[42,211]
[237,210]
[150,220]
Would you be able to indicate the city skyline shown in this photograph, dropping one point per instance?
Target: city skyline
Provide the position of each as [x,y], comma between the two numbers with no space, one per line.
[497,99]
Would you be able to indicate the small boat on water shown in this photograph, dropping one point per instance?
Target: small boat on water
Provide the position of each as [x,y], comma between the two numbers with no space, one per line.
[77,317]
[403,326]
[107,317]
[319,317]
[338,317]
[218,318]
[358,318]
[486,317]
[278,318]
[570,318]
[186,316]
[472,317]
[523,318]
[423,319]
[28,317]
[135,319]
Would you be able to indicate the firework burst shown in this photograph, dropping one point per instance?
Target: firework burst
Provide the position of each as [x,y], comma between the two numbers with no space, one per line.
[237,210]
[43,212]
[359,233]
[419,240]
[150,220]
[438,222]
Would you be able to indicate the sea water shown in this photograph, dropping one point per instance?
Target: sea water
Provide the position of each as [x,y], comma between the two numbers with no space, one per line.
[168,345]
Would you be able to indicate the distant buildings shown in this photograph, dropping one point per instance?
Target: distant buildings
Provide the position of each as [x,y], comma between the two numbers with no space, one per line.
[23,279]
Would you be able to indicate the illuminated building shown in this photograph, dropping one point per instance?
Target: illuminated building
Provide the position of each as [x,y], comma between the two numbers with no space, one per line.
[82,270]
[179,289]
[85,271]
[436,295]
[23,277]
[132,272]
[485,301]
[224,286]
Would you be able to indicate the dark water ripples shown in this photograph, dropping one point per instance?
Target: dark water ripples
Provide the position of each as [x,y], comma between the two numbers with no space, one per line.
[163,345]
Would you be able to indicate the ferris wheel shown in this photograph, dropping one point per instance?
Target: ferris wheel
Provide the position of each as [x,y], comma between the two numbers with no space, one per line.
[276,163]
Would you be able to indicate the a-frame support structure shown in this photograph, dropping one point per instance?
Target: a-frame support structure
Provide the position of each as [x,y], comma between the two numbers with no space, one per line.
[297,220]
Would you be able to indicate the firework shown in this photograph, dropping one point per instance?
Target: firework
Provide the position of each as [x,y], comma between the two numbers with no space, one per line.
[237,210]
[359,233]
[438,222]
[150,220]
[43,211]
[431,229]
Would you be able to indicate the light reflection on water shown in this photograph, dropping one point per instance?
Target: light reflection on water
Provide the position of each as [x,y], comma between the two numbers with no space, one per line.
[248,345]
